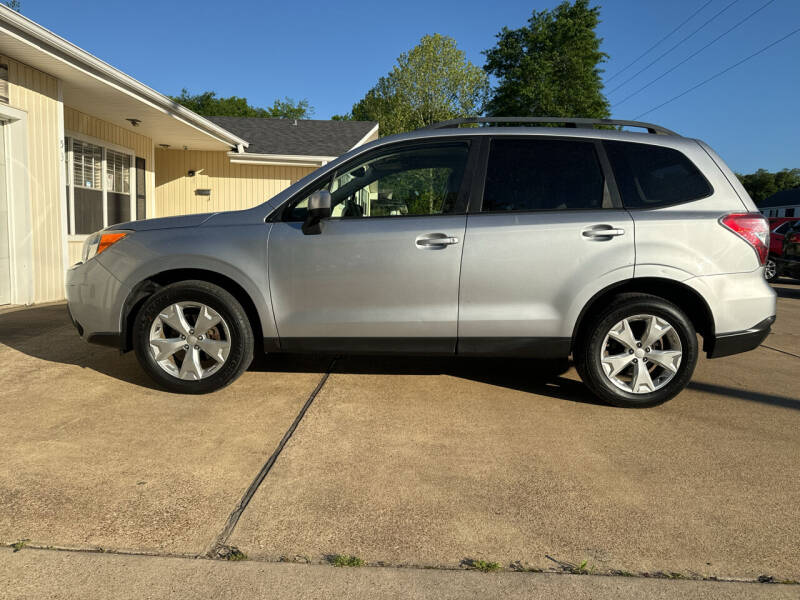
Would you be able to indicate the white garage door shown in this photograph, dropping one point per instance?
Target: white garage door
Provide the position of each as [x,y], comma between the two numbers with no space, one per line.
[5,253]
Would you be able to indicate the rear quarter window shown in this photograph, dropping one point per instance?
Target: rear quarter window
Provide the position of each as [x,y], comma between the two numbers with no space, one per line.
[650,176]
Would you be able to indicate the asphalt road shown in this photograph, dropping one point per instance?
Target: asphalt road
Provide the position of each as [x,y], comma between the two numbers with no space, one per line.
[402,462]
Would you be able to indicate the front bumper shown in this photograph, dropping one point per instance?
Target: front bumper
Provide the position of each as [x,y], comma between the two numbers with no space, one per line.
[740,341]
[94,303]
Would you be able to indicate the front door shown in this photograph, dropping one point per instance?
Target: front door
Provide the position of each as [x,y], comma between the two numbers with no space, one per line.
[383,274]
[5,245]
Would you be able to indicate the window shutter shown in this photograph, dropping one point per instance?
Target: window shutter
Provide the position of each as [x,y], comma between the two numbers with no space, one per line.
[87,160]
[118,172]
[141,189]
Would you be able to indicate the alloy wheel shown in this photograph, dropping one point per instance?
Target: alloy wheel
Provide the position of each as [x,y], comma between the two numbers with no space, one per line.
[641,354]
[189,340]
[770,270]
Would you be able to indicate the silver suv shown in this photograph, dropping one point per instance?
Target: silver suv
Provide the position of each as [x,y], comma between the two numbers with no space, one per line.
[614,246]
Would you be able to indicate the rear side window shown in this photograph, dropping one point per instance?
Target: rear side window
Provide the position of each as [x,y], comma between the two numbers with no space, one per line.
[536,174]
[651,176]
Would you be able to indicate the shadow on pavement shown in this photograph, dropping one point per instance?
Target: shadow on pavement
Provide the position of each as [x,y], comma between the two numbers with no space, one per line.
[543,377]
[46,333]
[787,292]
[723,390]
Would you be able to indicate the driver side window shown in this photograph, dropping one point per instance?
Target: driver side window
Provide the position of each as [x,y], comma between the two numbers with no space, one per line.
[417,181]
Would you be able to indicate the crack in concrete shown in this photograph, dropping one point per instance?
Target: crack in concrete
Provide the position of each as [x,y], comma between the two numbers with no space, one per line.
[219,546]
[781,351]
[763,579]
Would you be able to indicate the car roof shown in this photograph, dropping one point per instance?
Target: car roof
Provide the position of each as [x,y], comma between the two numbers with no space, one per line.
[677,142]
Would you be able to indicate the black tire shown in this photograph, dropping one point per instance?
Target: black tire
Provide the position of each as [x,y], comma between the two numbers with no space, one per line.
[241,335]
[589,346]
[772,268]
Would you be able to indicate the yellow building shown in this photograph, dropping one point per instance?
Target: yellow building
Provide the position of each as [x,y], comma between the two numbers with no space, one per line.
[84,146]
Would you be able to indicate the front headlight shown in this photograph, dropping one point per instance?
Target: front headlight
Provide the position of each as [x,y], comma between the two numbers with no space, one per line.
[100,241]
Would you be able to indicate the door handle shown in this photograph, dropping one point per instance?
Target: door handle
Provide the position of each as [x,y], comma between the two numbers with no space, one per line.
[603,231]
[435,240]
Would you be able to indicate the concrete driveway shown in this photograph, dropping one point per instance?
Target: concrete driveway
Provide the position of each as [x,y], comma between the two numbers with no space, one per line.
[403,462]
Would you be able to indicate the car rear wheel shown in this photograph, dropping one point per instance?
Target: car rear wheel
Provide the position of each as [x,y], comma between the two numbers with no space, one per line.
[638,352]
[771,270]
[193,337]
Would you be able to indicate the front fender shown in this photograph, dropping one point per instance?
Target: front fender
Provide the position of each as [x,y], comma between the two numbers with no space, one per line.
[238,253]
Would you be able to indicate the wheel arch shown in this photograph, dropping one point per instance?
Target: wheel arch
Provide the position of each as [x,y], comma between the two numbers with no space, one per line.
[147,287]
[680,294]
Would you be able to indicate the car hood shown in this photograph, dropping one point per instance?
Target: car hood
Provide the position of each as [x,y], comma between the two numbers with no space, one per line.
[164,223]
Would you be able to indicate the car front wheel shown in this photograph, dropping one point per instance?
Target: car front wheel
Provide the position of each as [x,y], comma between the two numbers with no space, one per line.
[638,352]
[193,337]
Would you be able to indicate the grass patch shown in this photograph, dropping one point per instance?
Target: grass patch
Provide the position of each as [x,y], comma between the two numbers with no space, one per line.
[584,568]
[345,560]
[231,553]
[484,566]
[19,545]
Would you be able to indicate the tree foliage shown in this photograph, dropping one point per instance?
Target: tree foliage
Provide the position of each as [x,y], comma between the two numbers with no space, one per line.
[14,5]
[209,105]
[432,82]
[549,67]
[762,184]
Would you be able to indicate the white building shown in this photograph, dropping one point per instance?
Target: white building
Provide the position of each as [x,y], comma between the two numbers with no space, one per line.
[781,204]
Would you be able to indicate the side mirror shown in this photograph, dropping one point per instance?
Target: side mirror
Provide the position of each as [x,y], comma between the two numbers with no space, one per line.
[319,208]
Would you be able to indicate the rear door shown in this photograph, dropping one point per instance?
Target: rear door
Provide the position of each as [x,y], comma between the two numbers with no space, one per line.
[545,232]
[383,274]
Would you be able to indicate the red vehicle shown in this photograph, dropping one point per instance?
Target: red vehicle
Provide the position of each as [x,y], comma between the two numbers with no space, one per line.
[789,262]
[777,229]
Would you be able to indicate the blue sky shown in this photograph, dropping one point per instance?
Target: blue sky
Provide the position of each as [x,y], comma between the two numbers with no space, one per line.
[333,52]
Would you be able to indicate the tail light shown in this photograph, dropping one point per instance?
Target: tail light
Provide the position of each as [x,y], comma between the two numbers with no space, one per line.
[752,228]
[794,237]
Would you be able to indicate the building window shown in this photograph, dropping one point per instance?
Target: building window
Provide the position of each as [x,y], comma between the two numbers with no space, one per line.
[789,212]
[118,186]
[101,186]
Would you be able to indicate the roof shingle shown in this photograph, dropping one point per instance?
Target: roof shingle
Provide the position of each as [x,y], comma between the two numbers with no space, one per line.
[790,197]
[305,137]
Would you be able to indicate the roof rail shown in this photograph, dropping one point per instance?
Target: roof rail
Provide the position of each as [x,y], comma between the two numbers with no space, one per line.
[565,121]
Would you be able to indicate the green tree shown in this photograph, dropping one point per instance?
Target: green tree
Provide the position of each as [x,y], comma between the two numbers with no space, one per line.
[762,184]
[549,67]
[209,105]
[432,82]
